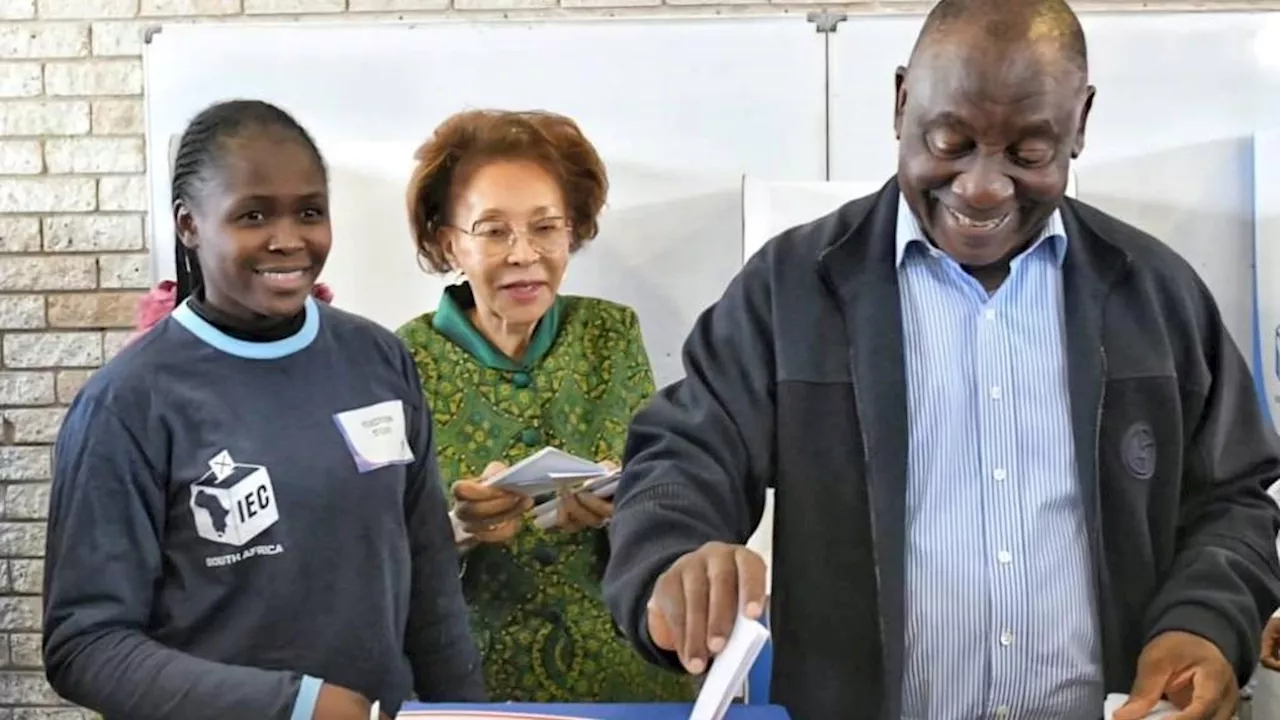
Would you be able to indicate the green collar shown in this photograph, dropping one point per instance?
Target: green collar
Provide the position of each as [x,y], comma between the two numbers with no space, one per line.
[451,321]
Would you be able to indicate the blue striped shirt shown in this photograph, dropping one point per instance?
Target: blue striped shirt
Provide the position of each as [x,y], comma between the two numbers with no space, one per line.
[1001,617]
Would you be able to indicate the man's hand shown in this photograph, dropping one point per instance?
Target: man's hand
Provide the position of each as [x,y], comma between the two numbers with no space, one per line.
[1190,671]
[338,703]
[696,602]
[490,514]
[1271,645]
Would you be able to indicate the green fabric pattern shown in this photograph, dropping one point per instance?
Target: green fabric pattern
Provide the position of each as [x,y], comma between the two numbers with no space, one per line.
[536,605]
[451,320]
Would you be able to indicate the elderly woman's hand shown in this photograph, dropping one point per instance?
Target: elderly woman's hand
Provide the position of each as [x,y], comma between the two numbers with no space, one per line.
[583,510]
[491,515]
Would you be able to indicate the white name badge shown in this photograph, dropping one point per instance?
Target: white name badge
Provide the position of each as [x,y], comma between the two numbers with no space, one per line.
[375,435]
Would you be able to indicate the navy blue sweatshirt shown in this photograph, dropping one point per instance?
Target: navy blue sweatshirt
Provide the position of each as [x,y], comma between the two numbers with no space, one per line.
[233,523]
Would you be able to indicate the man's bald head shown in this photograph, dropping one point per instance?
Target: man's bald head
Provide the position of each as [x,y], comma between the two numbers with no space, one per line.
[988,114]
[1048,25]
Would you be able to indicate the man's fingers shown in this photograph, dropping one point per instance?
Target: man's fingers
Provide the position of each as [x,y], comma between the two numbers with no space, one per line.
[659,630]
[752,577]
[666,611]
[1147,691]
[1208,701]
[696,597]
[722,600]
[696,603]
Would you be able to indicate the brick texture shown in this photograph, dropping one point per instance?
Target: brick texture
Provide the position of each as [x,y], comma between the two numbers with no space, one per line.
[73,244]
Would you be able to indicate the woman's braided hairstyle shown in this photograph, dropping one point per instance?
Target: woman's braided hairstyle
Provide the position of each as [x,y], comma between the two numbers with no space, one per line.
[199,152]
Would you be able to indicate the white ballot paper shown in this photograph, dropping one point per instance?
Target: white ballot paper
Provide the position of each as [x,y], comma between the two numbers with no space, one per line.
[546,470]
[729,669]
[1115,701]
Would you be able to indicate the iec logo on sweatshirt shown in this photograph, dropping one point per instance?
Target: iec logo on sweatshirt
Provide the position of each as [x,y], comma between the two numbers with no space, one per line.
[232,504]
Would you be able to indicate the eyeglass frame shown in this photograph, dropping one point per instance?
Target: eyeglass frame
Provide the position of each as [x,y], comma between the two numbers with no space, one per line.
[509,244]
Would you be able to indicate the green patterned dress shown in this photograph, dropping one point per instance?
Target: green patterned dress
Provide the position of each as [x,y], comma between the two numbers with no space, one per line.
[536,605]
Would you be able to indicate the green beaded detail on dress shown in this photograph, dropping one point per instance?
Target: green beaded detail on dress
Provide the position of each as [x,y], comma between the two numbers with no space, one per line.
[536,604]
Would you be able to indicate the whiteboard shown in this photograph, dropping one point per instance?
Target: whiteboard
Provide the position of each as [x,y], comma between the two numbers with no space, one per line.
[1168,142]
[677,129]
[1266,308]
[769,208]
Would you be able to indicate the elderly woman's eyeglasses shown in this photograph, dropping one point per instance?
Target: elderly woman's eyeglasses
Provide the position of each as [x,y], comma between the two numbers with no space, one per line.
[547,236]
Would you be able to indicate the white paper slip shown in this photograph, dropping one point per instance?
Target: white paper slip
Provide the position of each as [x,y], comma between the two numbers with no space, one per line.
[545,470]
[376,710]
[1115,701]
[729,669]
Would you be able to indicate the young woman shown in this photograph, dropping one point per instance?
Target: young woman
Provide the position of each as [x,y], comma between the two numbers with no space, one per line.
[246,516]
[511,365]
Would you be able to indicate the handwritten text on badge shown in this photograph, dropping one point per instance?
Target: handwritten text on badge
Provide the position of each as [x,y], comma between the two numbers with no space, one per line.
[375,435]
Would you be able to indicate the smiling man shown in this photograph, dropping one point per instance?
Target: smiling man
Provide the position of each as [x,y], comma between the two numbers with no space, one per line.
[1019,462]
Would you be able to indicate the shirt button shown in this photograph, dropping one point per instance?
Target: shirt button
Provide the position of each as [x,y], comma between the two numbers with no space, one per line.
[989,314]
[995,392]
[999,474]
[1005,557]
[530,437]
[1002,712]
[1006,638]
[521,380]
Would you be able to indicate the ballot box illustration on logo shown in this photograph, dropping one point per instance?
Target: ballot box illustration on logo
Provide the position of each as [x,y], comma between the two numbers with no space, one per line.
[233,502]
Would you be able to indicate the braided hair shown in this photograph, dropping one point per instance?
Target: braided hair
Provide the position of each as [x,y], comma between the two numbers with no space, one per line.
[199,152]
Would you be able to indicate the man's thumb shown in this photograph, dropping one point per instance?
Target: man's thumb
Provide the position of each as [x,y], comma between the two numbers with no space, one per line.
[659,631]
[1147,691]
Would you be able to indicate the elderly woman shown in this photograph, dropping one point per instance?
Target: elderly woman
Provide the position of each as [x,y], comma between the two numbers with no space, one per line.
[509,365]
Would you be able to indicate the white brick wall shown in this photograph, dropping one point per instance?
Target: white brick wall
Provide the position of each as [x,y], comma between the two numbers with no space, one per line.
[72,242]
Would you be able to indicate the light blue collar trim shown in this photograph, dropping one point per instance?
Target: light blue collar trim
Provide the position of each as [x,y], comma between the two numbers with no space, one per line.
[274,350]
[909,232]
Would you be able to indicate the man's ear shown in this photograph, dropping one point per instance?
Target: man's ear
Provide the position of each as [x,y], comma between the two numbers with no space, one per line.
[1077,145]
[899,99]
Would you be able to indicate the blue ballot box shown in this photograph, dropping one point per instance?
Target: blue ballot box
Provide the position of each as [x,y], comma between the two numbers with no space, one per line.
[514,711]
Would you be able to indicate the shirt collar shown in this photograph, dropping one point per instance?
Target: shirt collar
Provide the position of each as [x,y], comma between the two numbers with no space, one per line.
[451,320]
[910,232]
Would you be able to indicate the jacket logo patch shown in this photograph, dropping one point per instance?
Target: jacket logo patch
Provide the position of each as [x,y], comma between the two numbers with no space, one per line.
[1138,450]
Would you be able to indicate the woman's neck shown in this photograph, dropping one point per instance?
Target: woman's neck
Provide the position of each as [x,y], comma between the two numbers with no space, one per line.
[241,328]
[509,339]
